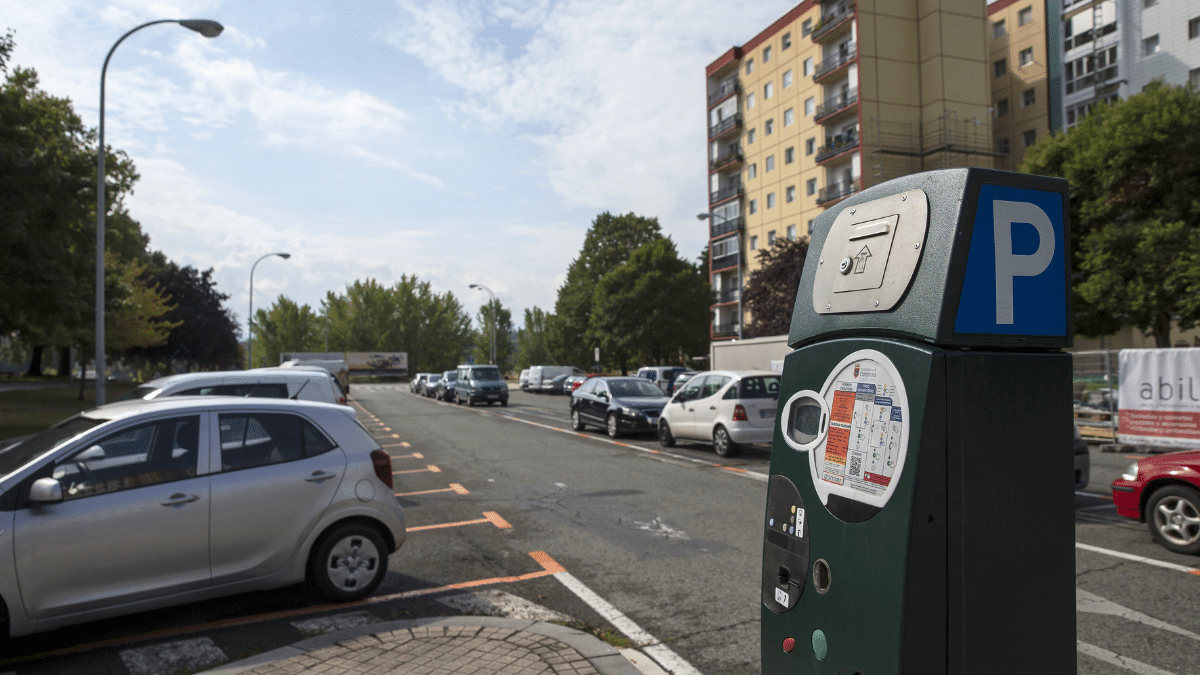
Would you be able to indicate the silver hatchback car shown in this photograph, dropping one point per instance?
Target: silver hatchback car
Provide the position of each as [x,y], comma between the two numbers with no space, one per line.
[144,504]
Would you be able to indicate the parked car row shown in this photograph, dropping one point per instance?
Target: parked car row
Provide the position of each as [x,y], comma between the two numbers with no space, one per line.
[468,384]
[297,383]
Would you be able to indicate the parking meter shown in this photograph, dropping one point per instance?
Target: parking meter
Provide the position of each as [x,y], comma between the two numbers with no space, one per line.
[919,509]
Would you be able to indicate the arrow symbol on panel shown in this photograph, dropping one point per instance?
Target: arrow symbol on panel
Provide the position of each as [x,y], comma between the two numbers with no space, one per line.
[860,260]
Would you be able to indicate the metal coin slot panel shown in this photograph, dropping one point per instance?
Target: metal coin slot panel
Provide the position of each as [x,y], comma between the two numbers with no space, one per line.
[785,546]
[870,254]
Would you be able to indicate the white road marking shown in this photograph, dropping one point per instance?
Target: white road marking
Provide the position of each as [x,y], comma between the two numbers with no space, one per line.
[498,603]
[1095,604]
[1118,660]
[658,527]
[326,624]
[669,660]
[1138,558]
[173,657]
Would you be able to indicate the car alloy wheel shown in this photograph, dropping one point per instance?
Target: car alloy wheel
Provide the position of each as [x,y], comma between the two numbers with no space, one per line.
[1173,514]
[722,443]
[664,434]
[614,431]
[348,563]
[576,422]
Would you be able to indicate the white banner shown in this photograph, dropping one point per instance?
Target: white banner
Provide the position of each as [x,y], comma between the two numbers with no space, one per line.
[1159,397]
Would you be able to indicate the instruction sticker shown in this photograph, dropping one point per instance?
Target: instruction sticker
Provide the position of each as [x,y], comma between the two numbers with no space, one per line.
[863,453]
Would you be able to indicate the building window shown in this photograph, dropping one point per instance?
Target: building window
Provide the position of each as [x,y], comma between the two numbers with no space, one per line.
[806,27]
[1000,67]
[789,117]
[1002,145]
[1029,137]
[810,146]
[789,155]
[787,78]
[766,55]
[749,66]
[770,163]
[1149,3]
[791,232]
[771,238]
[752,171]
[1026,56]
[1025,16]
[725,247]
[810,224]
[810,188]
[810,106]
[789,196]
[768,90]
[753,209]
[786,40]
[750,101]
[1150,45]
[754,242]
[998,29]
[768,127]
[1002,107]
[1194,28]
[808,66]
[1194,77]
[1028,98]
[770,200]
[750,136]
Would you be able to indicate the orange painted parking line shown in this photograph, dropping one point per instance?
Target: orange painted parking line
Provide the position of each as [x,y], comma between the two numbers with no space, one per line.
[395,445]
[454,487]
[1196,572]
[430,468]
[415,455]
[488,517]
[729,468]
[547,562]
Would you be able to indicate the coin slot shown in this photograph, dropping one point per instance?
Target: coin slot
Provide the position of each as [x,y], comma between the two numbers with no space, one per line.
[821,576]
[870,229]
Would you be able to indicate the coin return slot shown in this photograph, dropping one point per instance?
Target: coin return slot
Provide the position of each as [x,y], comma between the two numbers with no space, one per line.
[821,577]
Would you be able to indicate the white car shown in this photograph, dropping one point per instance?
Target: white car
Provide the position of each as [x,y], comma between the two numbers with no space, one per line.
[294,383]
[727,408]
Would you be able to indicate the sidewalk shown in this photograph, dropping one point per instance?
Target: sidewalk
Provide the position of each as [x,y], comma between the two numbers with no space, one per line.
[448,645]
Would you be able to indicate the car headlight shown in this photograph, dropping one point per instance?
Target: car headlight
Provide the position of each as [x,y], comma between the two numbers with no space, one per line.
[630,412]
[1131,472]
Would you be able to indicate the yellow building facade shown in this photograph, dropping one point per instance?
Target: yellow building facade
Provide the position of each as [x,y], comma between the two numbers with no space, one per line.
[1020,77]
[829,99]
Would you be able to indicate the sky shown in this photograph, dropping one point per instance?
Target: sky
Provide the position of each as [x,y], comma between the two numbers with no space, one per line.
[463,142]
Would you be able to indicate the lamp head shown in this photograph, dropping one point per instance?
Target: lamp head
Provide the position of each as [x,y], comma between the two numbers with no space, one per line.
[285,256]
[703,216]
[205,27]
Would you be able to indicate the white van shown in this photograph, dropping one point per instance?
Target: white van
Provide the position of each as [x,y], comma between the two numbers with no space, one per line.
[541,377]
[293,383]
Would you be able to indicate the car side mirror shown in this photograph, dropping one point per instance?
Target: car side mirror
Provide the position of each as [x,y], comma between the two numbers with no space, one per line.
[45,491]
[603,395]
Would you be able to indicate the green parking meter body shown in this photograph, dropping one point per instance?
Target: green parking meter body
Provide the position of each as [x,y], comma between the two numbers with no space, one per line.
[920,515]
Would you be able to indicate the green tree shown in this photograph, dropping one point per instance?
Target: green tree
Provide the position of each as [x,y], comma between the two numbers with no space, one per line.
[532,339]
[287,327]
[504,331]
[206,336]
[609,243]
[654,307]
[1134,171]
[770,292]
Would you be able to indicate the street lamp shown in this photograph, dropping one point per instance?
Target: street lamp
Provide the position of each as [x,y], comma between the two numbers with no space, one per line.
[209,29]
[250,318]
[707,216]
[495,309]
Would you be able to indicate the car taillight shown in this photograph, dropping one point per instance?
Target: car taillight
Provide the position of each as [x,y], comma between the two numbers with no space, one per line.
[383,466]
[739,414]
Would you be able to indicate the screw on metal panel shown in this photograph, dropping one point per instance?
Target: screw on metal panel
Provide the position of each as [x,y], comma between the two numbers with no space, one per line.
[826,306]
[903,197]
[916,246]
[822,262]
[853,210]
[876,303]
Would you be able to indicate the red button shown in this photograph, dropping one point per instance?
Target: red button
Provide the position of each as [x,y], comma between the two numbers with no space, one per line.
[788,645]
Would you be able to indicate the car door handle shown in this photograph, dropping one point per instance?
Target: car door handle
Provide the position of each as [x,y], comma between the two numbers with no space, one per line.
[712,407]
[178,499]
[318,476]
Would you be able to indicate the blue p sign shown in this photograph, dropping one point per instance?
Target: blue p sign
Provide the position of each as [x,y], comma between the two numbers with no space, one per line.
[1015,282]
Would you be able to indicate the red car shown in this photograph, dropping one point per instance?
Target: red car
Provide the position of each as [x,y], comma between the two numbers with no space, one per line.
[1163,491]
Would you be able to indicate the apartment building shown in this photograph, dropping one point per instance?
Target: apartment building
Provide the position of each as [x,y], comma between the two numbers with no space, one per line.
[1025,76]
[829,99]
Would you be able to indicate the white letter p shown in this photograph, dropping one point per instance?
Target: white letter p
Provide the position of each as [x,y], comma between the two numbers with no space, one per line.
[1008,264]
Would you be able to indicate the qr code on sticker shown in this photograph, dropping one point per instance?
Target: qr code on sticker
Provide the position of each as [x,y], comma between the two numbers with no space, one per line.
[855,465]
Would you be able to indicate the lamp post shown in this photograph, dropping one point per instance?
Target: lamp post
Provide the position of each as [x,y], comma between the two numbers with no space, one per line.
[708,216]
[250,318]
[495,310]
[209,29]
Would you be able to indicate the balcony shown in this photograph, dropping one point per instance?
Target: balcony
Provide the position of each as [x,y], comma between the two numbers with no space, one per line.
[726,296]
[838,191]
[726,226]
[725,160]
[724,330]
[829,24]
[724,91]
[725,262]
[837,145]
[838,104]
[835,62]
[725,126]
[725,193]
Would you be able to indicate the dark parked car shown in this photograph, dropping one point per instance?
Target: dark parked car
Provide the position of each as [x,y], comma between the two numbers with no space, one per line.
[1163,491]
[618,404]
[444,391]
[677,383]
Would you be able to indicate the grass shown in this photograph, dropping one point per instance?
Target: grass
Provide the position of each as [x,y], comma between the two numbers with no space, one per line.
[28,411]
[608,635]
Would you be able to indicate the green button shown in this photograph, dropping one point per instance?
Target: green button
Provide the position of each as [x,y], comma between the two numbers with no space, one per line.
[820,647]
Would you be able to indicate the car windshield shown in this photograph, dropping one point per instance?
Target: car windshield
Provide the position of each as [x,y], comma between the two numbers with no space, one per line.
[17,455]
[763,386]
[634,388]
[487,373]
[451,376]
[138,393]
[434,378]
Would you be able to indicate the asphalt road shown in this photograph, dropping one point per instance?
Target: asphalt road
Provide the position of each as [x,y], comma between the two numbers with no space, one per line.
[498,498]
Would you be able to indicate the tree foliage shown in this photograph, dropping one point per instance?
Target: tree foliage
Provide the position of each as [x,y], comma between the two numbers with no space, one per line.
[286,327]
[206,336]
[533,339]
[770,292]
[504,331]
[1134,172]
